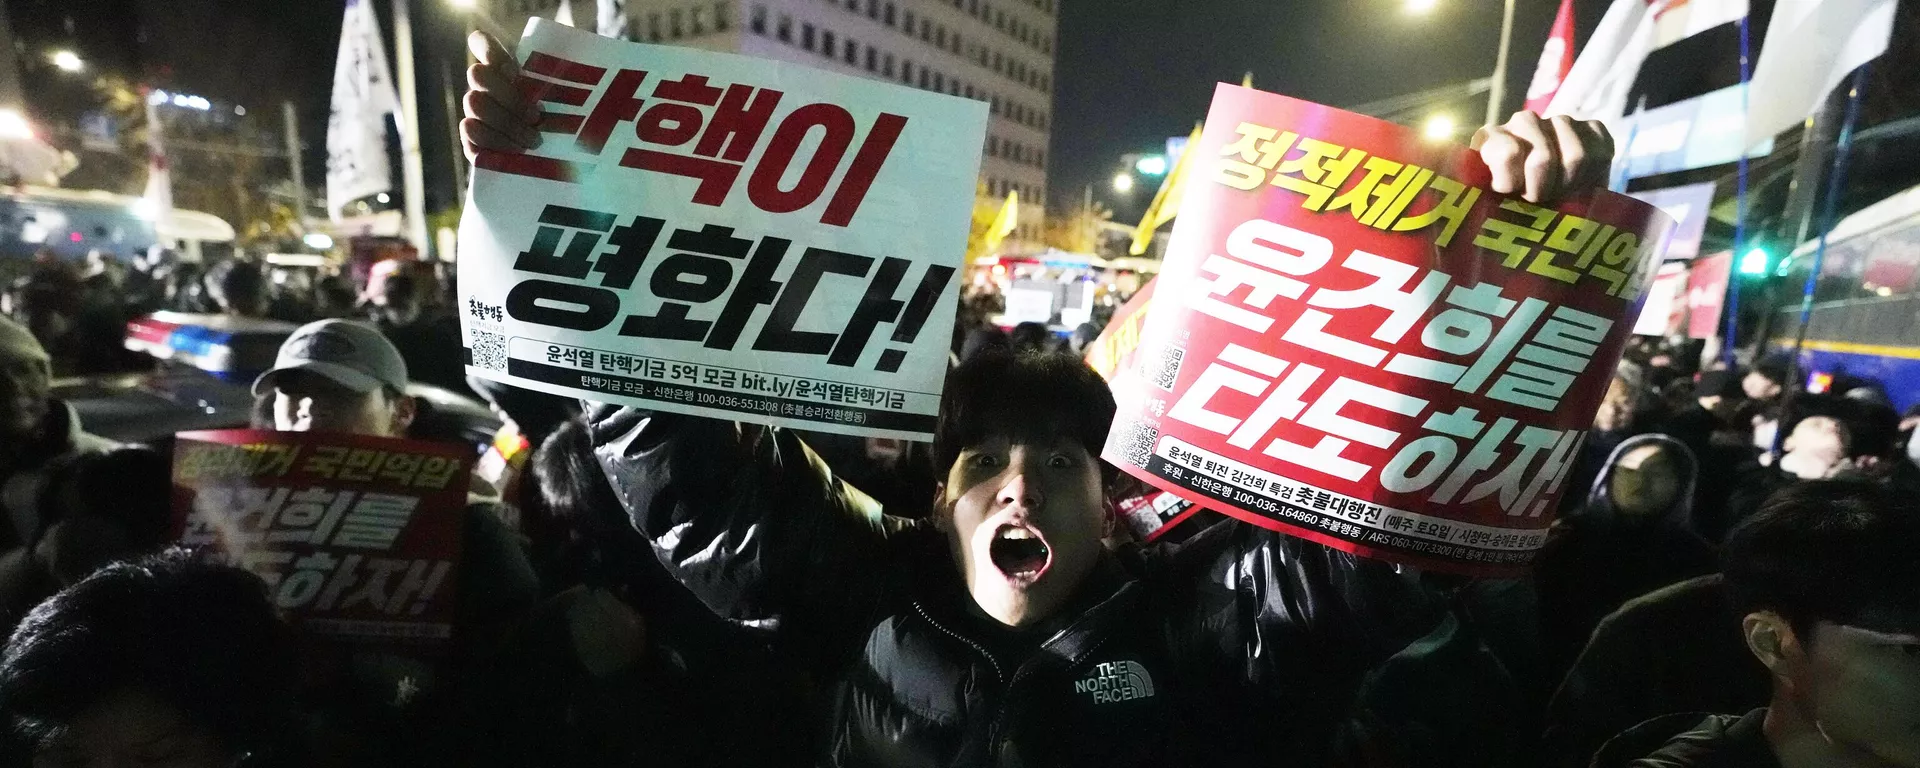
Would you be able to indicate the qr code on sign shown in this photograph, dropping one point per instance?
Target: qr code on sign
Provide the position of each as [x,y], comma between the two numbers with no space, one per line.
[1164,368]
[1136,442]
[490,351]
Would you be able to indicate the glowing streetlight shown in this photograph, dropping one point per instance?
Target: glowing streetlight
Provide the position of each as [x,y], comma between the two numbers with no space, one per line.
[1439,128]
[68,61]
[465,5]
[1123,183]
[1418,7]
[13,125]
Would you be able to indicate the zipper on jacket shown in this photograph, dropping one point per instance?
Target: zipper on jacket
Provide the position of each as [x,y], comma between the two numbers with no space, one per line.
[999,674]
[1000,718]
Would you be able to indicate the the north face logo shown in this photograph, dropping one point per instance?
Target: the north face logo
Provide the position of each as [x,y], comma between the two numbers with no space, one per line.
[1116,681]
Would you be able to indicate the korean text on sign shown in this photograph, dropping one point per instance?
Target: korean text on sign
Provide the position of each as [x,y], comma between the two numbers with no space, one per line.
[695,211]
[355,537]
[1358,343]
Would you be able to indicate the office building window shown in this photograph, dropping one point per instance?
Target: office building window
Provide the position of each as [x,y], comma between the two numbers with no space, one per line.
[993,145]
[806,36]
[924,79]
[785,30]
[853,5]
[906,71]
[926,31]
[969,90]
[699,21]
[939,82]
[678,26]
[873,59]
[853,53]
[940,36]
[889,14]
[653,28]
[722,16]
[906,18]
[887,67]
[873,9]
[826,43]
[758,21]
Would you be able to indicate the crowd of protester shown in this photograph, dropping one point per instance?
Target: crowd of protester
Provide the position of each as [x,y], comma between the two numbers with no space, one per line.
[1732,579]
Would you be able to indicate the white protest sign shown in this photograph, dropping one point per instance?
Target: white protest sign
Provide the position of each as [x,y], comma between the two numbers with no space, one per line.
[723,236]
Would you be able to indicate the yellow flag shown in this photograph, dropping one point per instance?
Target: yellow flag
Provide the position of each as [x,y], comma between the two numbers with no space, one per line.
[1246,80]
[1166,202]
[984,242]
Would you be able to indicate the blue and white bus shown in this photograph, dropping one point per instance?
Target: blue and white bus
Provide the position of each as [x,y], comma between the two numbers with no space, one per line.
[1865,324]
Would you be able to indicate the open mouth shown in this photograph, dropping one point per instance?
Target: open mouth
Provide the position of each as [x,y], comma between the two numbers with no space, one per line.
[1019,552]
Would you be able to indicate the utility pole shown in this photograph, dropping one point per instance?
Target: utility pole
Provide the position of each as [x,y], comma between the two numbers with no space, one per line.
[299,174]
[413,176]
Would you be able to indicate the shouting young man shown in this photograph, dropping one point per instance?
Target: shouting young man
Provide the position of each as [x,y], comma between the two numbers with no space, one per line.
[995,629]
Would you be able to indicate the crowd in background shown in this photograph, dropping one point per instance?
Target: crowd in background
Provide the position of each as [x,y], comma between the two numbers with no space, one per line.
[597,656]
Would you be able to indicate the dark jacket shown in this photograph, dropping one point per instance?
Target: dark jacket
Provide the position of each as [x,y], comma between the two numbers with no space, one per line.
[1239,646]
[1678,649]
[1718,741]
[1599,558]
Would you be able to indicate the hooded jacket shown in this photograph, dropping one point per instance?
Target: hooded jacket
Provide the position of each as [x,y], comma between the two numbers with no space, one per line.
[1599,558]
[1240,646]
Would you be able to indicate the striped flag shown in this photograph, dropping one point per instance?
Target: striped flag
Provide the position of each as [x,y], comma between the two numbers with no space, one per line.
[1811,46]
[1556,58]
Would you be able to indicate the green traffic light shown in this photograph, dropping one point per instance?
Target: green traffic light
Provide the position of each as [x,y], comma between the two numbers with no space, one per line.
[1755,262]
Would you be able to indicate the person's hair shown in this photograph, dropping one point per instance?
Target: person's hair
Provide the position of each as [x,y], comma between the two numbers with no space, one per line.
[575,492]
[130,486]
[1022,395]
[1829,550]
[1031,336]
[401,290]
[243,287]
[202,637]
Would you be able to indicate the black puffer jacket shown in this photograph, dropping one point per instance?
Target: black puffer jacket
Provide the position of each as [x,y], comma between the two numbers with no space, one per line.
[1240,647]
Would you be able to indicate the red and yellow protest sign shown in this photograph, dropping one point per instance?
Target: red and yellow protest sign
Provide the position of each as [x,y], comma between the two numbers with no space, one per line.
[1113,350]
[357,537]
[1354,341]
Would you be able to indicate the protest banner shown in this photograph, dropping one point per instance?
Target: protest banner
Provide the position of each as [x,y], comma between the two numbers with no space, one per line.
[1113,349]
[357,537]
[1355,342]
[731,237]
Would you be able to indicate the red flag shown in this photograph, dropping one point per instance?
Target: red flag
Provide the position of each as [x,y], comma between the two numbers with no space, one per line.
[1556,59]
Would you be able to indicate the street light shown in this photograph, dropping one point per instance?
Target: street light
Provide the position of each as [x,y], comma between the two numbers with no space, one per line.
[1498,94]
[13,125]
[461,4]
[68,61]
[1123,183]
[1420,7]
[1439,128]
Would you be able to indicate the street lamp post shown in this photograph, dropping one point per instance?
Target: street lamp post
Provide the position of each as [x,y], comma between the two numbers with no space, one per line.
[1499,92]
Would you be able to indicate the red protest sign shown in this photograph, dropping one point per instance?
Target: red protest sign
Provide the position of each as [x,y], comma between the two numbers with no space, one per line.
[357,537]
[1354,341]
[1113,349]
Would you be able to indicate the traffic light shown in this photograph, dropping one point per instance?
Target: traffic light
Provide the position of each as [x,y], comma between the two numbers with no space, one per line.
[1755,262]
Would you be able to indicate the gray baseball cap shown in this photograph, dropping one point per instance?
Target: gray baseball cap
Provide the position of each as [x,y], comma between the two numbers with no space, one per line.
[352,355]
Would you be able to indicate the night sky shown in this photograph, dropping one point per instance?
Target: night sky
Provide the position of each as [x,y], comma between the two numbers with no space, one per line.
[1130,72]
[1133,72]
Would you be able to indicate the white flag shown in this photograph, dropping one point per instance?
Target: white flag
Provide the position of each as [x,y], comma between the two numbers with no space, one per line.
[565,14]
[613,20]
[1811,46]
[157,201]
[1597,85]
[363,98]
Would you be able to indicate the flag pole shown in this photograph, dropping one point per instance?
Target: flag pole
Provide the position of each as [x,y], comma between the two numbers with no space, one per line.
[1729,338]
[412,173]
[1836,178]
